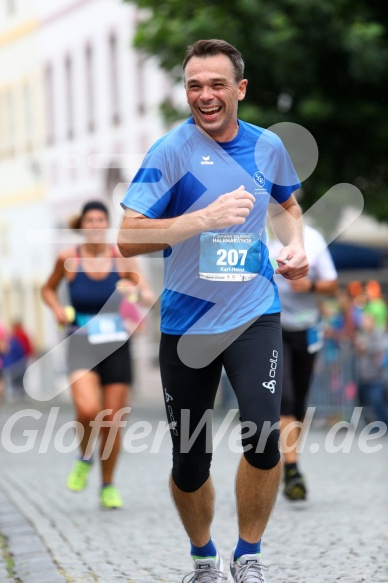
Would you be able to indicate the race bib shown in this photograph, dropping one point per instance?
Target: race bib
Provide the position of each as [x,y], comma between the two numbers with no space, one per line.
[314,338]
[229,256]
[104,328]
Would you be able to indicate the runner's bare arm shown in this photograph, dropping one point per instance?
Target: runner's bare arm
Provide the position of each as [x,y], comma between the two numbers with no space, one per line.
[49,290]
[133,281]
[324,287]
[286,221]
[139,234]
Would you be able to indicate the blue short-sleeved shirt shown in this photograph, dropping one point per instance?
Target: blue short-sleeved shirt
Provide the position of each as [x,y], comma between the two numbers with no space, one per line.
[185,171]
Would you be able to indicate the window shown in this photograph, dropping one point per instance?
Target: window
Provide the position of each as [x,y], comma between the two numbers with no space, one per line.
[140,86]
[11,129]
[49,95]
[89,59]
[6,300]
[4,239]
[3,125]
[114,79]
[28,114]
[69,98]
[38,312]
[11,6]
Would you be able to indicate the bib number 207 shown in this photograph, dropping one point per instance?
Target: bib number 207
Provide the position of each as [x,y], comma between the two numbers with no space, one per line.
[231,256]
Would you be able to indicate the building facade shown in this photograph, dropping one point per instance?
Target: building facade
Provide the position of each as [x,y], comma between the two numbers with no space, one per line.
[23,184]
[79,107]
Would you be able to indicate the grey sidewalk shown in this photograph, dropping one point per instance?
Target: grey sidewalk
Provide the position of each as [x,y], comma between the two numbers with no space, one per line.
[339,534]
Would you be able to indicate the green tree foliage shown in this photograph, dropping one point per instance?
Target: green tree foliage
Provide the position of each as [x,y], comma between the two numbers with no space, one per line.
[323,65]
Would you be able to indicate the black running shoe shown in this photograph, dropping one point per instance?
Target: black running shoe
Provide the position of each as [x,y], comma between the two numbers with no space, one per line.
[294,485]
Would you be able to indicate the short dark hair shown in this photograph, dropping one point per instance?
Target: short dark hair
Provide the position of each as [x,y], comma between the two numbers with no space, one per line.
[215,46]
[76,222]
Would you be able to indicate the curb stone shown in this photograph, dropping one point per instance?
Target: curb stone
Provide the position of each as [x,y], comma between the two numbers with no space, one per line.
[31,560]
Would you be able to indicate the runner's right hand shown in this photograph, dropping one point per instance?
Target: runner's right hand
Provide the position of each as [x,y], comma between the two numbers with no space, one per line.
[230,209]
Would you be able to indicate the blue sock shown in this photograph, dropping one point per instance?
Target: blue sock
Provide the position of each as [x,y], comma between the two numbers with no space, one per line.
[87,461]
[245,548]
[105,484]
[208,550]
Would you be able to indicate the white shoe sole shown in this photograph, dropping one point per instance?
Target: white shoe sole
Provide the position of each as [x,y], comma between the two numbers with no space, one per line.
[221,568]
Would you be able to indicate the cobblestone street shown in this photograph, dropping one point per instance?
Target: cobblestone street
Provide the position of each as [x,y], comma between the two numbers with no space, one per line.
[51,535]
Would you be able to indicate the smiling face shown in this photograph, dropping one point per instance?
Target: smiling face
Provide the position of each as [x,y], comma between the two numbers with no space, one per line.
[213,95]
[96,222]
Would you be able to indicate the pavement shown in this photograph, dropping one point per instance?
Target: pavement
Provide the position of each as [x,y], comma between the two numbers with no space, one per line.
[51,535]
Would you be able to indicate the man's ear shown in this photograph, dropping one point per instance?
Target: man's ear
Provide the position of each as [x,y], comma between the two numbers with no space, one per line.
[242,89]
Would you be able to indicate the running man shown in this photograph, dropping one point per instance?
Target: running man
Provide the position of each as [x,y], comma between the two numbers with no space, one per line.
[302,339]
[202,195]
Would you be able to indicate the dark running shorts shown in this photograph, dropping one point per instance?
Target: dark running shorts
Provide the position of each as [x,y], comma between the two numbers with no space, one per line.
[111,361]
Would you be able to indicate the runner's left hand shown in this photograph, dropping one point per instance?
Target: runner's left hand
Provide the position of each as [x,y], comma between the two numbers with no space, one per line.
[292,262]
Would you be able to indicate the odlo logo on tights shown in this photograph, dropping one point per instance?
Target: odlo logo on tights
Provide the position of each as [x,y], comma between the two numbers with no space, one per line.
[270,385]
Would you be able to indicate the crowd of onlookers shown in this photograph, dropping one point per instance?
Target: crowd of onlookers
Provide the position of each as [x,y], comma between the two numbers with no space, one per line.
[356,322]
[16,349]
[352,368]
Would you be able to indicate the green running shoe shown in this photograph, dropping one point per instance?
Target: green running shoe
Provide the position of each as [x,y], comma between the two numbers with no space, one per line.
[110,497]
[77,480]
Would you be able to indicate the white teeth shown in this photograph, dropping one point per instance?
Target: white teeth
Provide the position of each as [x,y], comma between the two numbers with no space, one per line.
[210,110]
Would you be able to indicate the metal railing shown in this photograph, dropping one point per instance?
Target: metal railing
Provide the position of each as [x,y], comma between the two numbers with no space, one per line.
[334,386]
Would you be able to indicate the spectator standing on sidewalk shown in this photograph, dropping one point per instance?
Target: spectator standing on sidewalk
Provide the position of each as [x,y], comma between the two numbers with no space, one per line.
[302,339]
[14,363]
[21,350]
[19,332]
[4,347]
[369,345]
[99,361]
[376,305]
[193,198]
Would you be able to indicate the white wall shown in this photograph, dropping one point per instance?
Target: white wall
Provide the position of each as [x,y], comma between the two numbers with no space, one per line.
[66,31]
[44,182]
[23,188]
